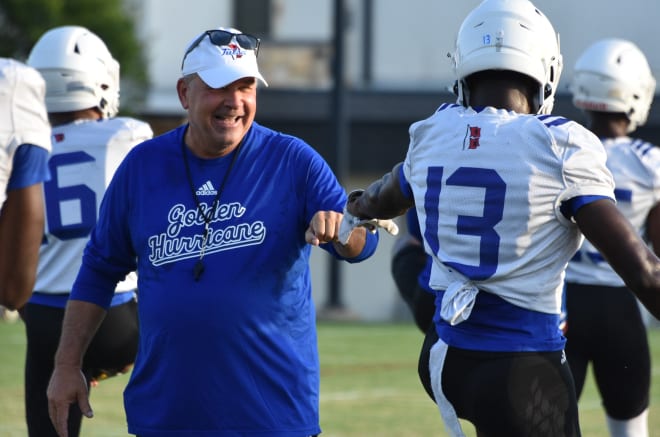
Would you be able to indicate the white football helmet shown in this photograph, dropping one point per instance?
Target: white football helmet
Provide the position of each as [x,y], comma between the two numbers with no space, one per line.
[79,70]
[509,35]
[613,75]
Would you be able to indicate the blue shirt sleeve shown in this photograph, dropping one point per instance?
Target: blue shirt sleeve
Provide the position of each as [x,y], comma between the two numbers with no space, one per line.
[30,167]
[369,248]
[571,206]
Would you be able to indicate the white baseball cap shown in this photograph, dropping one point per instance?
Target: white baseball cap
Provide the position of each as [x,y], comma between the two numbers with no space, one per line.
[220,65]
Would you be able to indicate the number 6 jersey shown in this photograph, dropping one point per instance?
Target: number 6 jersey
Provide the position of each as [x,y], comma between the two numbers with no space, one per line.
[85,155]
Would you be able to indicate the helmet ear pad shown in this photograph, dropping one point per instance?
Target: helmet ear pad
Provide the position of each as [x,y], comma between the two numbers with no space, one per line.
[79,71]
[613,75]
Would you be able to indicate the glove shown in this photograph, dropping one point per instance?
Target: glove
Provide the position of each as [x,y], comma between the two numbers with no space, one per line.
[350,222]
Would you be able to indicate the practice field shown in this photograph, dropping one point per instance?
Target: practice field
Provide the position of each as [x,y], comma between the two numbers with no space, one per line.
[369,387]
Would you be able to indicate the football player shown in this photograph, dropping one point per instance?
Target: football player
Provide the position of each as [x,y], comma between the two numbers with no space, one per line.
[24,149]
[614,86]
[504,192]
[89,142]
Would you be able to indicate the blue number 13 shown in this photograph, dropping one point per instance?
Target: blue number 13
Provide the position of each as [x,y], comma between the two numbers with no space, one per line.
[479,226]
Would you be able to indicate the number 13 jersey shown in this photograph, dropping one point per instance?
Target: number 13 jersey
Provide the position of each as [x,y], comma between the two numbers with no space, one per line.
[489,186]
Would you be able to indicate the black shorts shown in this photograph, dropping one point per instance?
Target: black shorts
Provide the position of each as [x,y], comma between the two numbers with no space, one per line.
[113,348]
[605,327]
[508,393]
[406,266]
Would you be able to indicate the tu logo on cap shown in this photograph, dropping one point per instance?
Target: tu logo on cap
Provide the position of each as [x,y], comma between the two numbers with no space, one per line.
[234,51]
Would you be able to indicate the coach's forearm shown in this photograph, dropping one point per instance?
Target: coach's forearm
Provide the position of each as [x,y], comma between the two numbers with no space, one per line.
[383,199]
[81,321]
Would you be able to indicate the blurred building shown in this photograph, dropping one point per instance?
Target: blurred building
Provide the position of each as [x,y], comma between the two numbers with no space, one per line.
[396,72]
[396,65]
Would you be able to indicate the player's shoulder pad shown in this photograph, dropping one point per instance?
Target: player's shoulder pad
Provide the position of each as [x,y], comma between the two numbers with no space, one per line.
[441,109]
[562,128]
[568,133]
[446,106]
[131,128]
[552,120]
[644,148]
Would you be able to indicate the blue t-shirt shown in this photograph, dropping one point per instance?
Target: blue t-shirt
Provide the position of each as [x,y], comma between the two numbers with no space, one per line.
[235,352]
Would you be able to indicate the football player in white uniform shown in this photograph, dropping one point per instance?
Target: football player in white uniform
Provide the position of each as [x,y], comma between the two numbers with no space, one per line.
[613,84]
[89,142]
[504,192]
[24,149]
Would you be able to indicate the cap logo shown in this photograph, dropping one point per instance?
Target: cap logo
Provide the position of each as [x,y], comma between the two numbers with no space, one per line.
[233,50]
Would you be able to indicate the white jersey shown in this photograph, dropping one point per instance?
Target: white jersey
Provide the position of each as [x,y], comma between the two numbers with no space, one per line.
[23,118]
[85,156]
[635,165]
[488,186]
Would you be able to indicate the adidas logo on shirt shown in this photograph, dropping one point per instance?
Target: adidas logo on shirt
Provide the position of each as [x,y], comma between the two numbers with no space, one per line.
[207,189]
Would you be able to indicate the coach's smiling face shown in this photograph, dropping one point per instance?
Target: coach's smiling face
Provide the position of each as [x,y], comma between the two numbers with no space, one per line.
[219,117]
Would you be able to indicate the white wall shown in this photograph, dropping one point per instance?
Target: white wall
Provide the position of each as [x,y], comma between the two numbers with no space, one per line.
[412,42]
[166,28]
[288,25]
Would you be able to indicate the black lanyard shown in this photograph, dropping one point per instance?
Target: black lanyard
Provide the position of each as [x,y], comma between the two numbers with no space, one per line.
[199,265]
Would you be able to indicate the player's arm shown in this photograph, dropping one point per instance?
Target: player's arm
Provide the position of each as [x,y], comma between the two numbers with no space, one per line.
[653,228]
[615,238]
[21,232]
[22,224]
[354,246]
[383,199]
[67,384]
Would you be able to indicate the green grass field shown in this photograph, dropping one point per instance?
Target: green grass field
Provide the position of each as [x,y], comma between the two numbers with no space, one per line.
[369,387]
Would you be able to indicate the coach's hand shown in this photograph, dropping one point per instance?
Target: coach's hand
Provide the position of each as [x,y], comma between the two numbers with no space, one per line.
[323,228]
[67,386]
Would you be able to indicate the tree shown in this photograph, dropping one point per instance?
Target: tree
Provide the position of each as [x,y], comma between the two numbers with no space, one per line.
[22,22]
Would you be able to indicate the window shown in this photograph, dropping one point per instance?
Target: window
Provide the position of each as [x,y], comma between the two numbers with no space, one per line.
[253,16]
